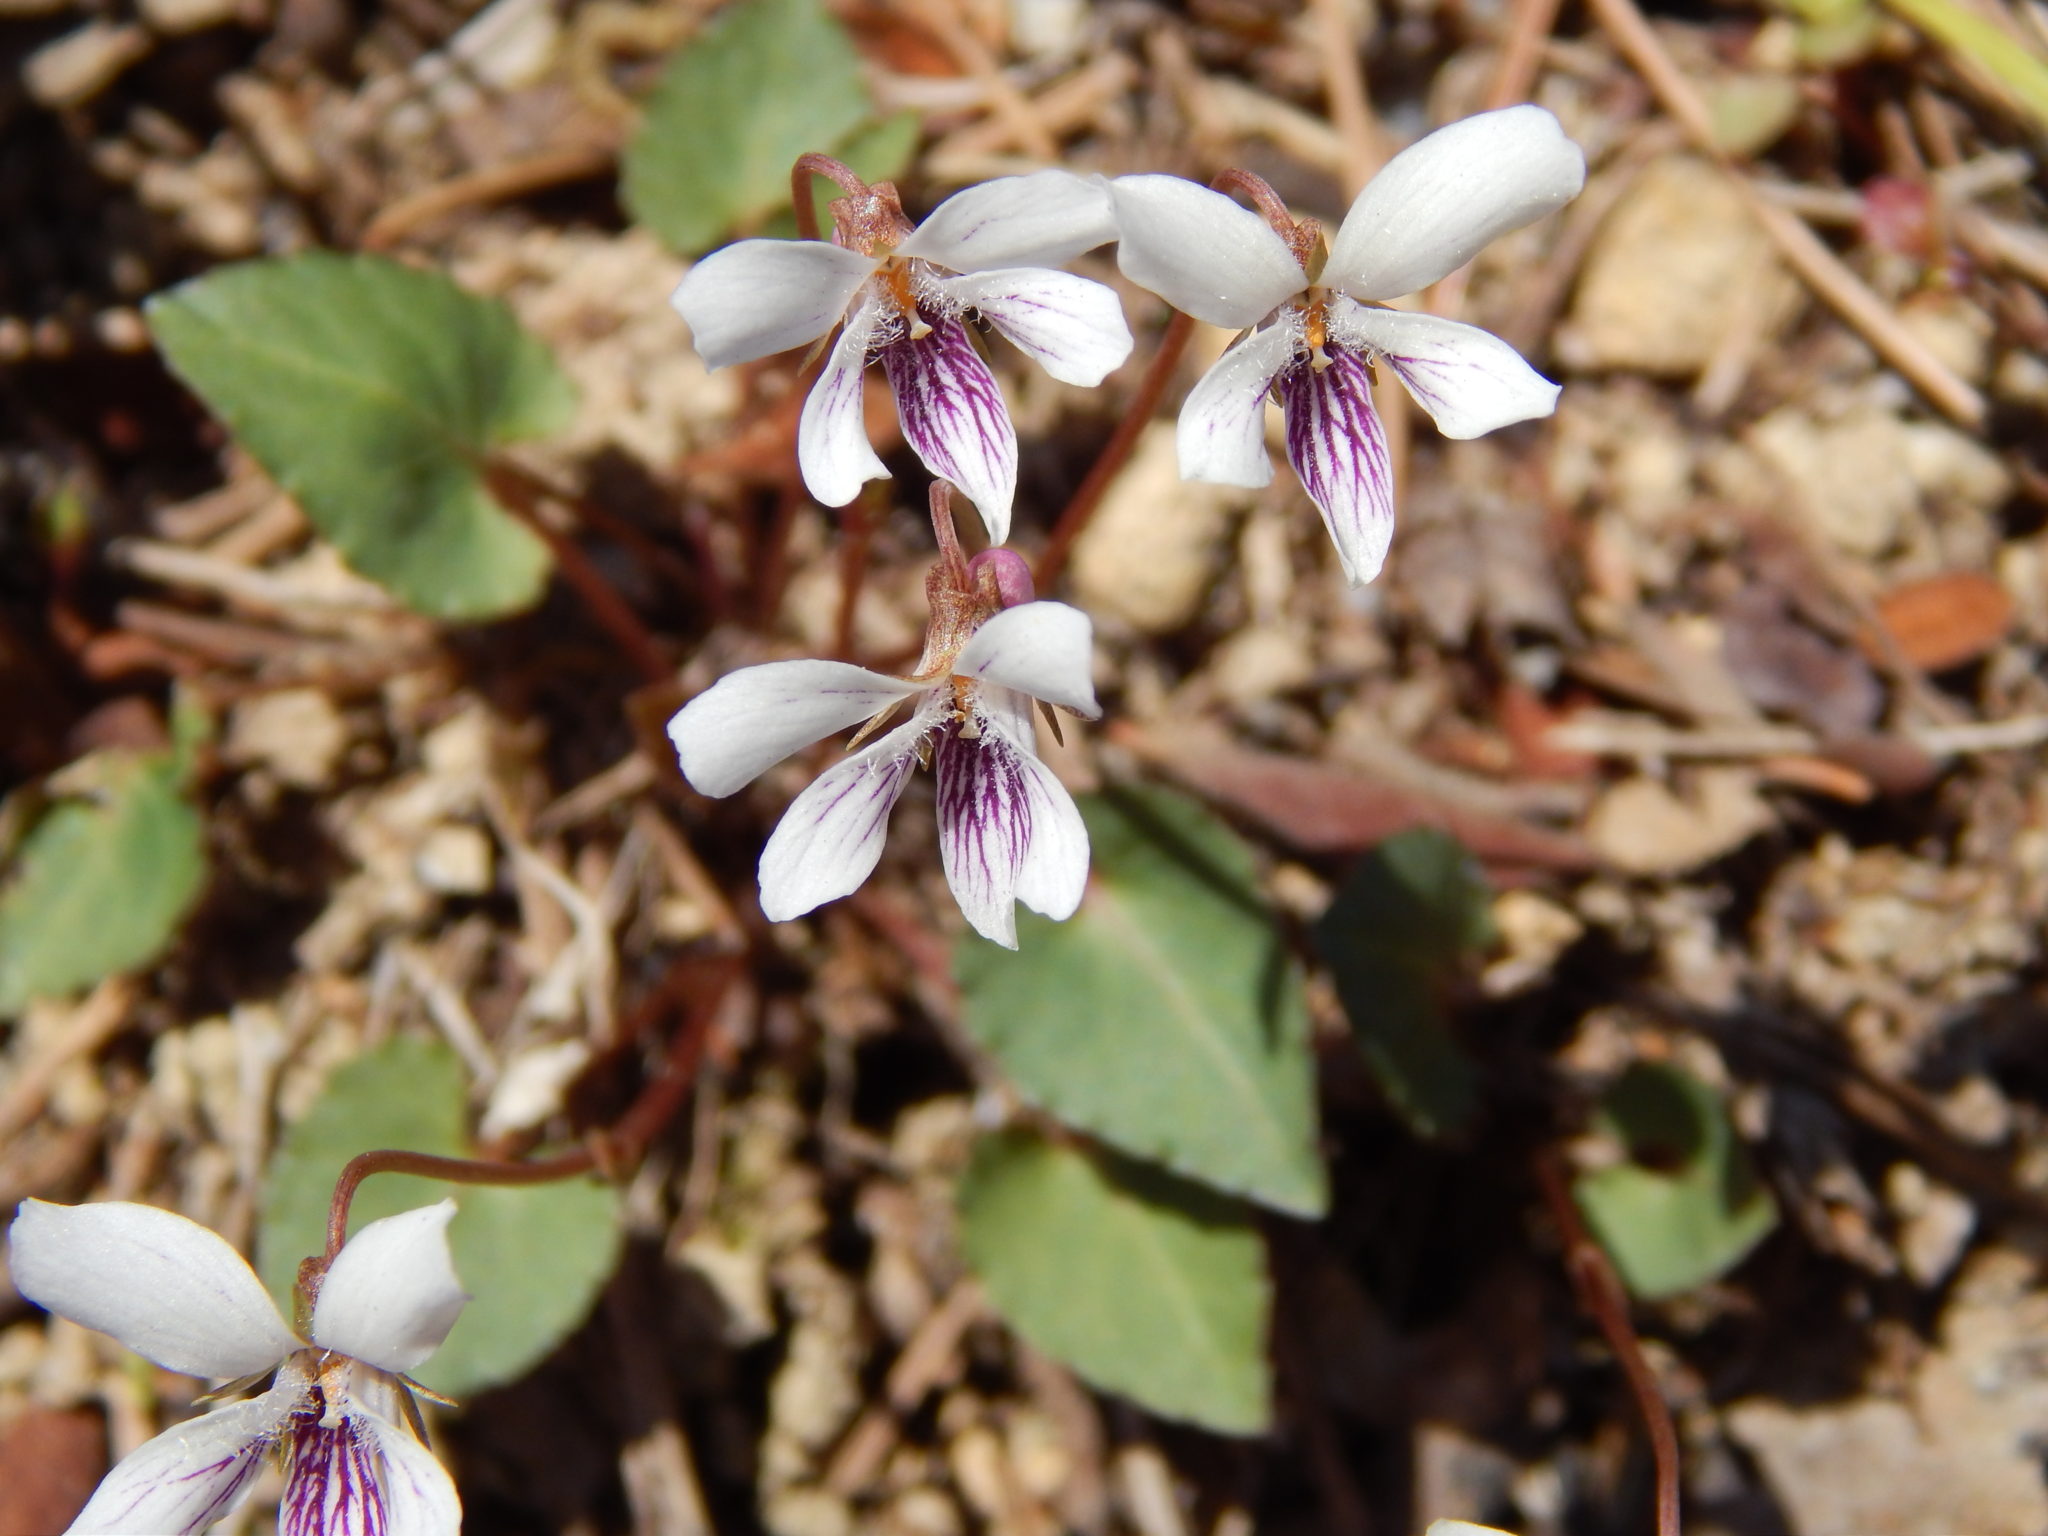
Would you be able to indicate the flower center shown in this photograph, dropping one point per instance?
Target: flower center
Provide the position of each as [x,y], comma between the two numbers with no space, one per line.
[899,281]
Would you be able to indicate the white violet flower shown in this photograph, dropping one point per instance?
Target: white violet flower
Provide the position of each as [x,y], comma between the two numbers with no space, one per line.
[1008,830]
[1321,324]
[904,293]
[179,1295]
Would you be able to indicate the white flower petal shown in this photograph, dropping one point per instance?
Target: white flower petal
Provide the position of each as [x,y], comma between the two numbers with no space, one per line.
[954,418]
[831,837]
[1201,252]
[765,296]
[1470,381]
[1055,872]
[750,720]
[391,1295]
[355,1473]
[166,1287]
[1338,448]
[1074,327]
[1044,219]
[1221,435]
[1433,206]
[832,447]
[188,1477]
[1007,829]
[1045,649]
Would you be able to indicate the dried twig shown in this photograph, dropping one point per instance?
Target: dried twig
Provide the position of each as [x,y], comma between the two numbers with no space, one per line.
[1137,416]
[1823,271]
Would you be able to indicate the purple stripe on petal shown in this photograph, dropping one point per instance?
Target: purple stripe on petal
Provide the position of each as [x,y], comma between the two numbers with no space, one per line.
[335,1484]
[984,827]
[954,417]
[1339,449]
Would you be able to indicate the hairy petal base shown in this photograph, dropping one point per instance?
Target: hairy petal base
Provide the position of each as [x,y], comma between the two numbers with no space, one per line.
[1470,381]
[1072,327]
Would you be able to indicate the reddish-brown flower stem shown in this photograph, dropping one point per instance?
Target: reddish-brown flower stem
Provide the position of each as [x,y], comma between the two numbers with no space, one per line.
[1601,1296]
[800,174]
[1081,508]
[523,494]
[1259,193]
[853,570]
[608,1153]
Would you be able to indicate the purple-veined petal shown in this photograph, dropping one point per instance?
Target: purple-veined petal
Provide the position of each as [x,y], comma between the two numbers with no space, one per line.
[1055,872]
[1045,649]
[750,720]
[954,418]
[1073,327]
[390,1296]
[1338,448]
[765,296]
[831,837]
[188,1477]
[353,1472]
[996,803]
[417,1495]
[1470,381]
[1221,435]
[1044,219]
[166,1287]
[832,447]
[1201,252]
[1437,203]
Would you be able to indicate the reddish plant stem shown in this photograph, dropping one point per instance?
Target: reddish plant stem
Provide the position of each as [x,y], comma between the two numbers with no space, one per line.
[1137,415]
[523,494]
[771,563]
[800,197]
[610,1152]
[1601,1296]
[853,571]
[452,1170]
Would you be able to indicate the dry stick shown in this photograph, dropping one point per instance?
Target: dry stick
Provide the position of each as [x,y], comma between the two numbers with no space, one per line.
[1521,54]
[1823,271]
[626,1142]
[1344,90]
[523,492]
[1137,416]
[1600,1295]
[1006,100]
[492,184]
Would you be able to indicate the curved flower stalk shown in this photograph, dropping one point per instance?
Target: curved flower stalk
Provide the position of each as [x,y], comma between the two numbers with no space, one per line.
[1321,324]
[1008,830]
[904,293]
[179,1295]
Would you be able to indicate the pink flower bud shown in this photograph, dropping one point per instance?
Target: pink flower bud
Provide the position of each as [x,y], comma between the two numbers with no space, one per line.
[1013,576]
